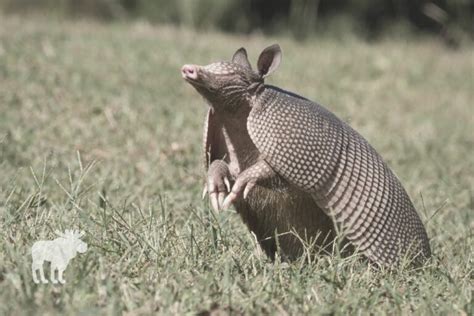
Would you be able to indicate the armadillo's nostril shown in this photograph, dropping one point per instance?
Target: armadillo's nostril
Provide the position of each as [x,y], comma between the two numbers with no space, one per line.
[189,71]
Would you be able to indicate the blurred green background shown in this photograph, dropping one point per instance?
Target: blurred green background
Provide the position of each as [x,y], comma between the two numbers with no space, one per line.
[450,19]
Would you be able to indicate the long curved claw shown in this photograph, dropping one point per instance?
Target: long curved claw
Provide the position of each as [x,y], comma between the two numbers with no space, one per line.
[236,191]
[229,200]
[247,189]
[227,183]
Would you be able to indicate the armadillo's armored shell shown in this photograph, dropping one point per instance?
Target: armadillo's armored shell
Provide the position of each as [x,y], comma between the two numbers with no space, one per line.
[314,150]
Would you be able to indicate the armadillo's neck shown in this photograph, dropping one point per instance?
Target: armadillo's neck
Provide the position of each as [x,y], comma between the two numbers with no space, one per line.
[236,101]
[228,106]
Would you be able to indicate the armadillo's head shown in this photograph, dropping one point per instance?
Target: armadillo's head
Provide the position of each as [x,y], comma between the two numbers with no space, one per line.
[229,85]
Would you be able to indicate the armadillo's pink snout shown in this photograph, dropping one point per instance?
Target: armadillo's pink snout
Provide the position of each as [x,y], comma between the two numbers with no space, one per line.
[189,72]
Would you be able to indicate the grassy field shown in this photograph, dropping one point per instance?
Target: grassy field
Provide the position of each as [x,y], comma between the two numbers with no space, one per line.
[99,132]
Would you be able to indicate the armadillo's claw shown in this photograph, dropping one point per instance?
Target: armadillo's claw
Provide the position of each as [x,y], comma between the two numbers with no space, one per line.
[248,187]
[239,186]
[218,183]
[227,183]
[216,193]
[229,200]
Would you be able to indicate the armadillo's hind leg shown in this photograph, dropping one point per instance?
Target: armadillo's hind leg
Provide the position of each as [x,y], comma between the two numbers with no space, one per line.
[217,183]
[247,180]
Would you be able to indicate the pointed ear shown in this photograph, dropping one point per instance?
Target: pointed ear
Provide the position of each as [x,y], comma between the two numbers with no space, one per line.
[240,57]
[269,60]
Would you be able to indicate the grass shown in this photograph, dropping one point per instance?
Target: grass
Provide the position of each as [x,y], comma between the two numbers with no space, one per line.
[98,132]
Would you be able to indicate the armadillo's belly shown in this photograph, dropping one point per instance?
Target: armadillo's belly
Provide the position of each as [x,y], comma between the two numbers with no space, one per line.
[290,214]
[370,205]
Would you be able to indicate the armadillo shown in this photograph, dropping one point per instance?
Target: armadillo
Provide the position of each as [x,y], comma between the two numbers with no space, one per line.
[292,168]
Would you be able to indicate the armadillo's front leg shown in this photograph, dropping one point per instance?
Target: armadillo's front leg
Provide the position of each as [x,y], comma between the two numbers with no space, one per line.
[247,180]
[217,183]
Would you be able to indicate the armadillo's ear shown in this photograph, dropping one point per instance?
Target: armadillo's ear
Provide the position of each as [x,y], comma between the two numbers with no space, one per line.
[269,60]
[240,57]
